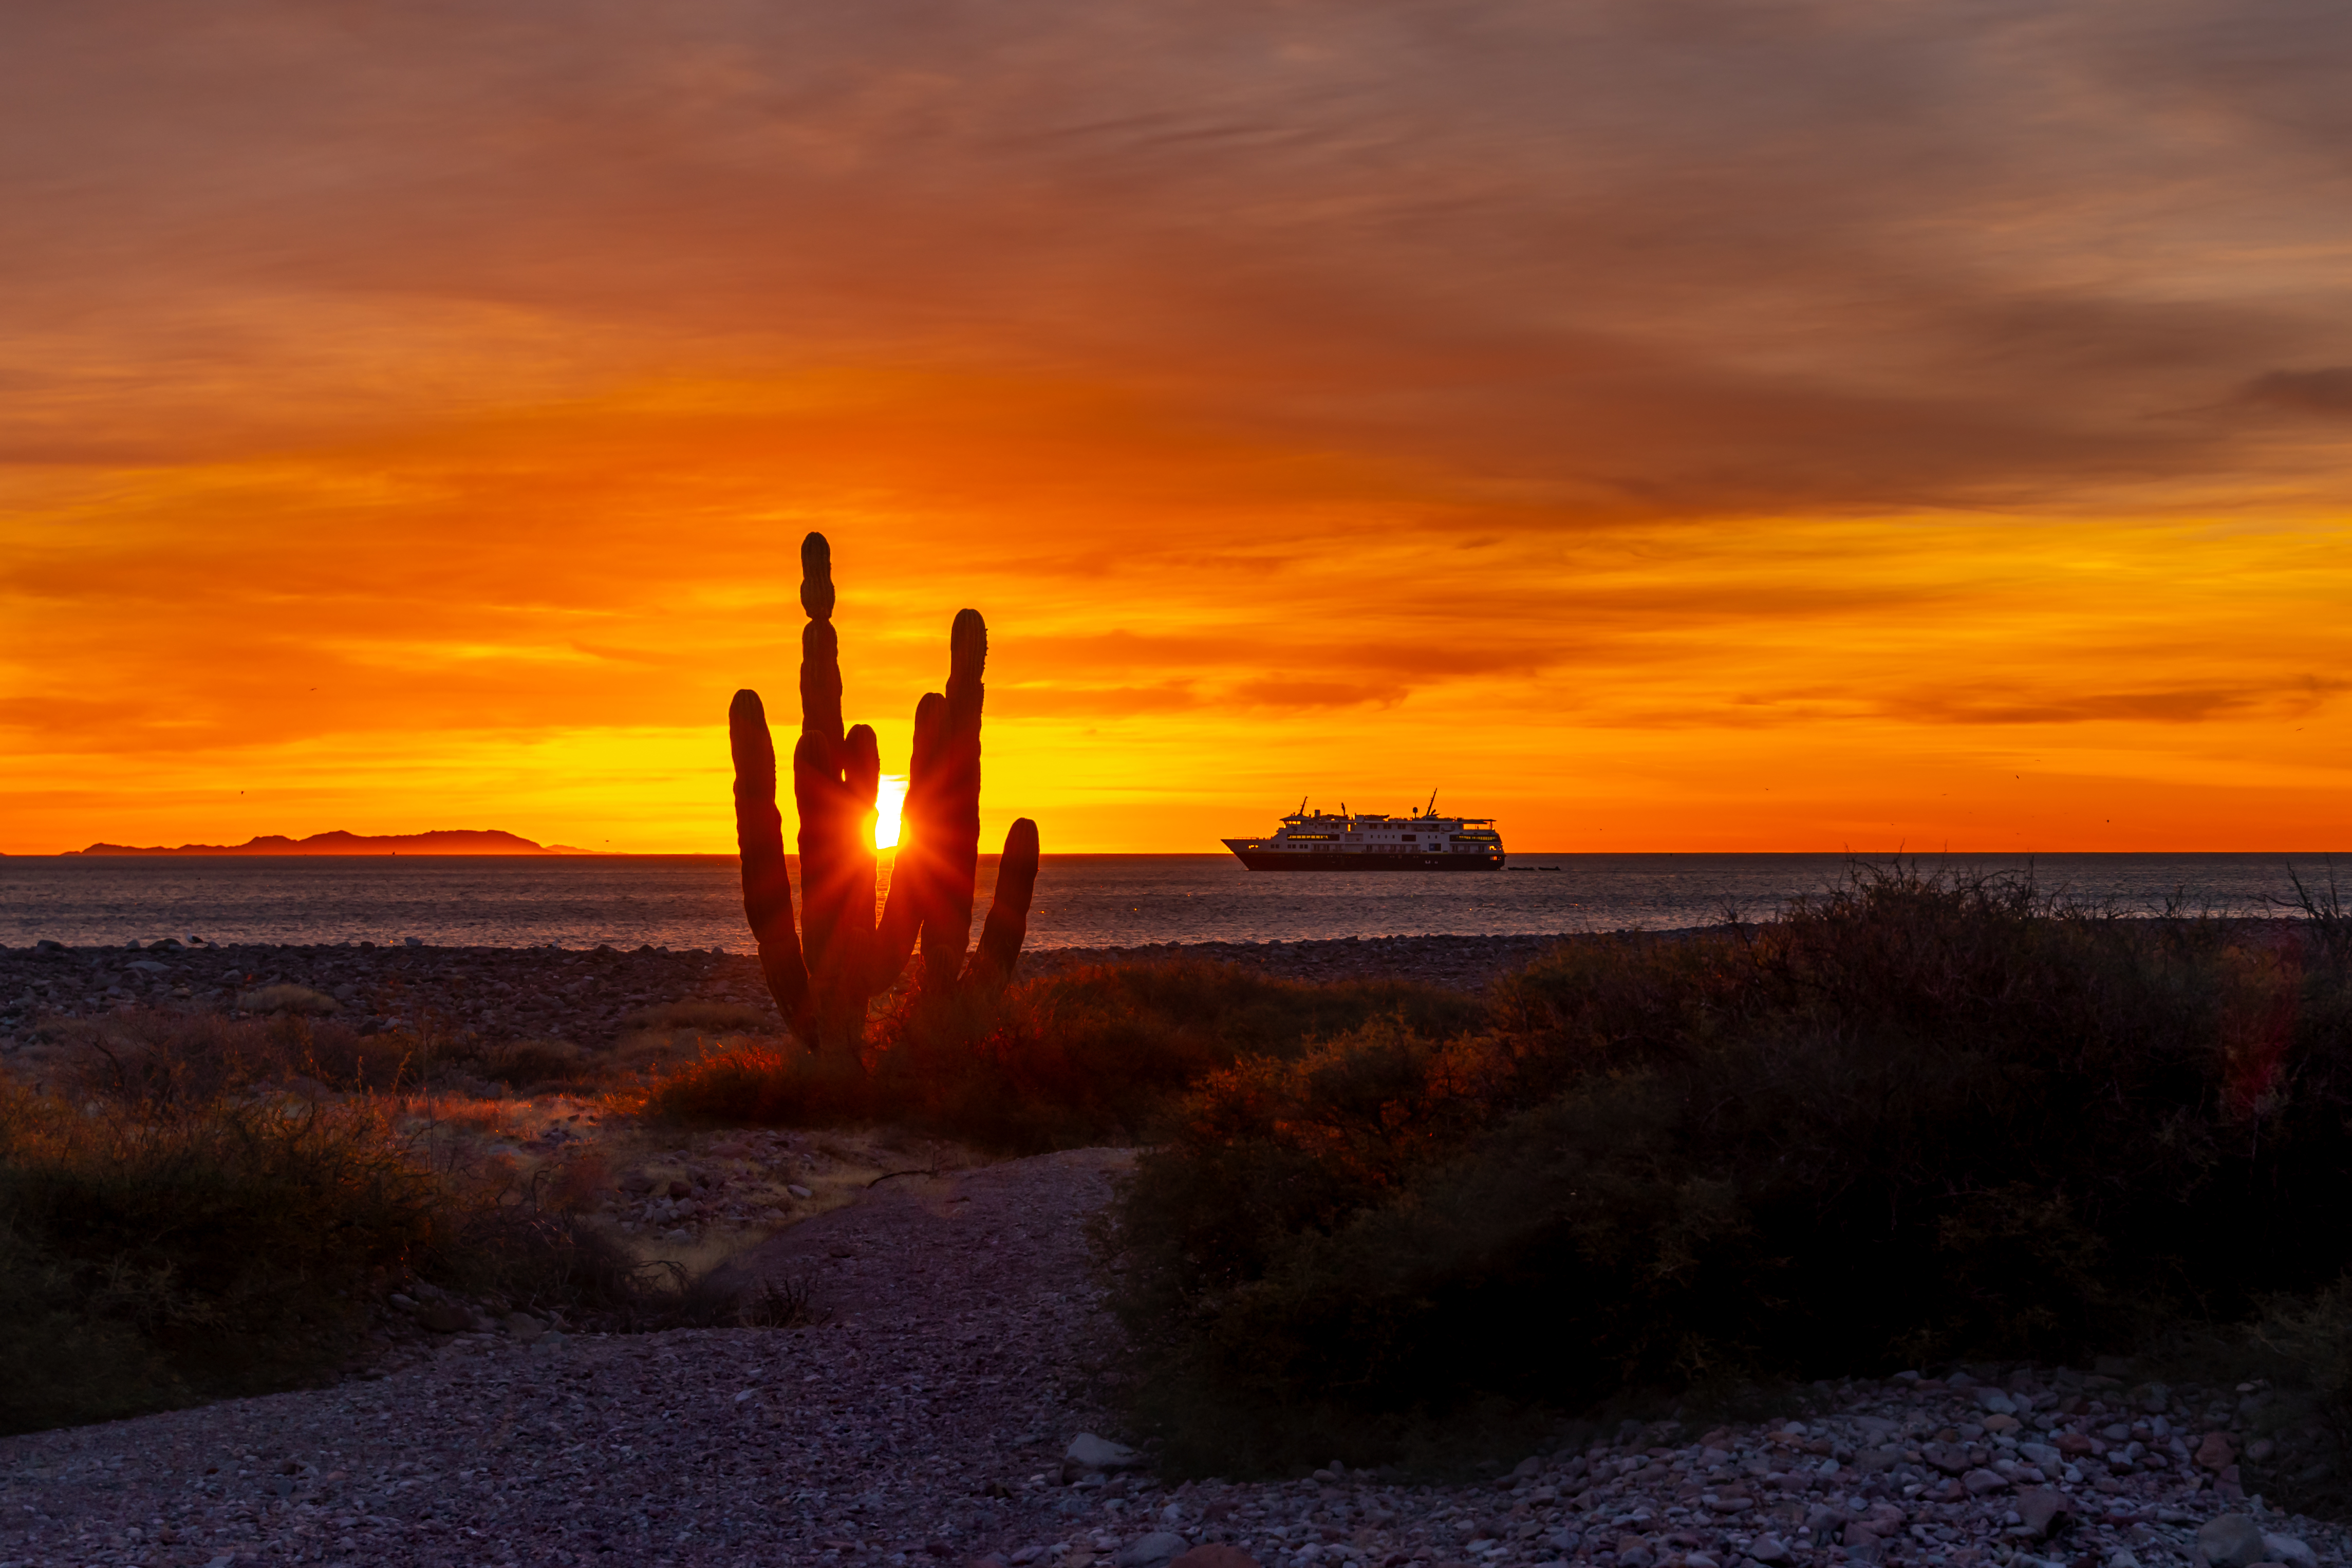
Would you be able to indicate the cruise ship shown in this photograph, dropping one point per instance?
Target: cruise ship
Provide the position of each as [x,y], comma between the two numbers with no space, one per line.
[1373,841]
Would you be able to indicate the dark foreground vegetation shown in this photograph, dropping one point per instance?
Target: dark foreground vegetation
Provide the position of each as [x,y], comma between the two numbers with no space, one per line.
[1915,1120]
[1090,1055]
[191,1207]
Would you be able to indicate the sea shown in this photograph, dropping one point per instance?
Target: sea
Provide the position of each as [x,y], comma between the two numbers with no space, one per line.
[682,901]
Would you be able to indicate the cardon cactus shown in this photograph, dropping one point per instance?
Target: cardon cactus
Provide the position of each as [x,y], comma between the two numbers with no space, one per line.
[822,974]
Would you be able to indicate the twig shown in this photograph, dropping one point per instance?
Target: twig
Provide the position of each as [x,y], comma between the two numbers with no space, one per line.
[887,1174]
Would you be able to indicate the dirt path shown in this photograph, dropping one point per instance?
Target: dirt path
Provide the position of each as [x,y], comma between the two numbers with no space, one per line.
[945,1374]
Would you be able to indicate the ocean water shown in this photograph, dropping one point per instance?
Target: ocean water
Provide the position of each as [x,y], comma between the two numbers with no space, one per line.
[1083,900]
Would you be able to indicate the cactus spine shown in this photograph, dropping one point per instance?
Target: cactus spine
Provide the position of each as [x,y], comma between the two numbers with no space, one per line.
[824,975]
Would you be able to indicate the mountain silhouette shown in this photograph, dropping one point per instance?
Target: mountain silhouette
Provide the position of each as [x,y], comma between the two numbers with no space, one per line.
[441,841]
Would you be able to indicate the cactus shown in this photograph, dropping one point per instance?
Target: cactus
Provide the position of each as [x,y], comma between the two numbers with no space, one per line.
[822,974]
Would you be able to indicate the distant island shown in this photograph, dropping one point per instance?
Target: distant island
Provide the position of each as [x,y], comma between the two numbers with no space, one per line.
[442,841]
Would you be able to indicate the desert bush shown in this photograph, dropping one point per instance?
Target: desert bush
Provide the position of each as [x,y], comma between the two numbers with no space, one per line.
[1919,1117]
[149,1259]
[191,1207]
[163,1059]
[1089,1055]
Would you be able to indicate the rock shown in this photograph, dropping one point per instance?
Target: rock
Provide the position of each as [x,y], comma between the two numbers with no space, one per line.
[1634,1552]
[524,1327]
[799,1192]
[1094,1453]
[681,1190]
[1565,1541]
[1994,1400]
[444,1316]
[2041,1454]
[1768,1549]
[1154,1551]
[1216,1555]
[1950,1459]
[636,1183]
[2123,1559]
[2044,1512]
[1981,1482]
[2233,1540]
[2214,1453]
[2287,1549]
[287,999]
[1863,1545]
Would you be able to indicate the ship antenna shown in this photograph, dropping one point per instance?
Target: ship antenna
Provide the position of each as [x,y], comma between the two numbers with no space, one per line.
[1433,805]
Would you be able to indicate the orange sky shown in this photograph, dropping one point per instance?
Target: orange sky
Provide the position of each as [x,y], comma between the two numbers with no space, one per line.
[1662,426]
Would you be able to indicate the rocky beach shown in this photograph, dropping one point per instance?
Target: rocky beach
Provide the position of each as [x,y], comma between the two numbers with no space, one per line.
[588,997]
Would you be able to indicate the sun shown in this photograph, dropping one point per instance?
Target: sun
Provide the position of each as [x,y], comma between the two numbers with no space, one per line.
[887,801]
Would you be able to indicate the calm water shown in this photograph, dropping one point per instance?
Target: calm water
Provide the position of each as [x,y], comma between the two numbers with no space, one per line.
[1083,900]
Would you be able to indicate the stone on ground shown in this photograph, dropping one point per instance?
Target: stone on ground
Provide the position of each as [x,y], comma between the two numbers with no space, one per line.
[2233,1540]
[1101,1453]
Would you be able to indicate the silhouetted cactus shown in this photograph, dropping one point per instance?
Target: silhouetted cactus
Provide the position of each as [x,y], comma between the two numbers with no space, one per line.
[823,975]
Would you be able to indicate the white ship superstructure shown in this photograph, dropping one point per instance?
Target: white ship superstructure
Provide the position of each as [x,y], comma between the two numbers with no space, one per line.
[1375,841]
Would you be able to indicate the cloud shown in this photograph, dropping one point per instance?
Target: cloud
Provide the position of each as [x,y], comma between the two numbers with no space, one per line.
[2323,392]
[1549,374]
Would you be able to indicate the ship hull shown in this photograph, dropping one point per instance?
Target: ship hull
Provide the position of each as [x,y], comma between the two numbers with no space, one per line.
[1296,860]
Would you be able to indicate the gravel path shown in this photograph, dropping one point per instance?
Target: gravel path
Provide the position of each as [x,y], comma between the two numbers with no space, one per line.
[926,1421]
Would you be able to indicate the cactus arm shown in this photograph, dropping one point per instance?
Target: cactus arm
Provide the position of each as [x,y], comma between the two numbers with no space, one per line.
[1008,912]
[912,868]
[767,880]
[947,924]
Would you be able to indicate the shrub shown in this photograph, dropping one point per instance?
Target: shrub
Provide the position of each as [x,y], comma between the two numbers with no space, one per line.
[1088,1055]
[149,1261]
[188,1209]
[1919,1117]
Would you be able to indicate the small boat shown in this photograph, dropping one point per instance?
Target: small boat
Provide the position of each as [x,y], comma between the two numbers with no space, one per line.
[1375,841]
